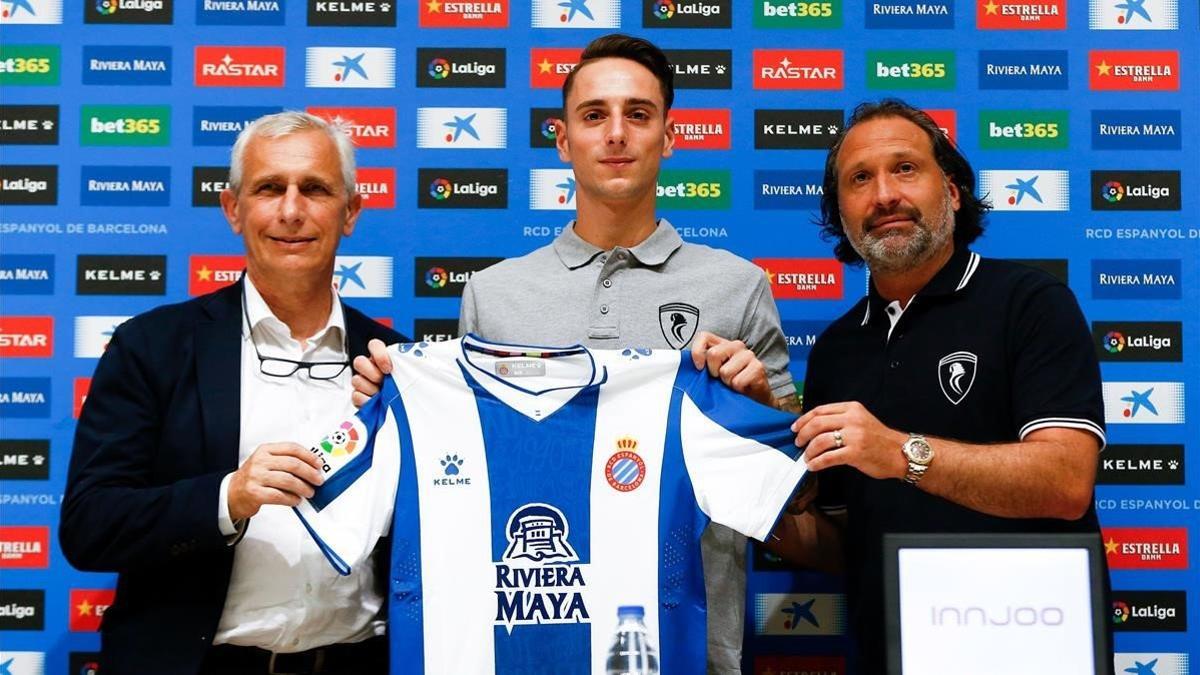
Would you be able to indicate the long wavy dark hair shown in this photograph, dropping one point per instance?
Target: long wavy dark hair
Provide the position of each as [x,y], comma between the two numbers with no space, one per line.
[968,220]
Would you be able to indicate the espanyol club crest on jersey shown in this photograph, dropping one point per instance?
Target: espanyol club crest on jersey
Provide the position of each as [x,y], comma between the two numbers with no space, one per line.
[534,582]
[678,321]
[956,374]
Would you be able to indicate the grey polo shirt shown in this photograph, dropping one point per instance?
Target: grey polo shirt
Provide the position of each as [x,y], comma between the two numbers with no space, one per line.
[657,294]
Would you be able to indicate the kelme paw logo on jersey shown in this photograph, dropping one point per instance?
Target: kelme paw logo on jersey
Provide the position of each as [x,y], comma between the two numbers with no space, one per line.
[535,584]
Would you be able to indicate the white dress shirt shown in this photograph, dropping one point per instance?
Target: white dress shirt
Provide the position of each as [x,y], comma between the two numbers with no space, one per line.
[283,595]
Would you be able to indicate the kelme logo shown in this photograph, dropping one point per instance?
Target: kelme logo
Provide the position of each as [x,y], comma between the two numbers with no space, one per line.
[1023,129]
[910,70]
[125,125]
[694,189]
[798,13]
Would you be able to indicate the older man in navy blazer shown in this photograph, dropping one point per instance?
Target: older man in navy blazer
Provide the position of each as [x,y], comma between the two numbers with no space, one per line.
[183,472]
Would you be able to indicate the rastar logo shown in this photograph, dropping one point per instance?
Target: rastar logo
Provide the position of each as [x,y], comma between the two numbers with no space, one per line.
[1143,402]
[93,333]
[910,14]
[28,125]
[363,276]
[470,14]
[367,127]
[26,274]
[687,13]
[1023,129]
[26,336]
[1138,340]
[30,12]
[222,66]
[910,70]
[24,548]
[466,128]
[118,65]
[1137,130]
[548,68]
[1024,69]
[208,273]
[1146,548]
[440,277]
[576,13]
[1133,14]
[36,65]
[80,387]
[797,14]
[702,129]
[377,185]
[1122,70]
[1021,14]
[240,12]
[694,189]
[461,68]
[374,13]
[798,69]
[87,608]
[114,125]
[803,278]
[1141,465]
[947,121]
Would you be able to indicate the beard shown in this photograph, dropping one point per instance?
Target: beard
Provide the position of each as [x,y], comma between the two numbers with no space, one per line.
[899,251]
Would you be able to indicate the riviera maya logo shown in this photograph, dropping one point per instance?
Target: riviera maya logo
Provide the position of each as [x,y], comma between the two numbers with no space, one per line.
[534,582]
[342,442]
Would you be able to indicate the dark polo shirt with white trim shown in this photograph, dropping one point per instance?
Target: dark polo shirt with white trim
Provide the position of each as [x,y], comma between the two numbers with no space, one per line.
[987,352]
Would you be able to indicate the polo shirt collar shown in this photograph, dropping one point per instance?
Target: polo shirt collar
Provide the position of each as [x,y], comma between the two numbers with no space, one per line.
[574,252]
[954,276]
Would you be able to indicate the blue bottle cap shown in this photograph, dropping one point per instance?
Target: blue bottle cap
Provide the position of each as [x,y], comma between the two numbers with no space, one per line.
[635,611]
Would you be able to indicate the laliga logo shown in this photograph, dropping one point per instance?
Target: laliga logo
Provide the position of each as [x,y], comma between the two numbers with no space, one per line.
[439,69]
[1112,191]
[1120,612]
[1114,342]
[548,130]
[341,442]
[441,189]
[436,277]
[664,9]
[106,7]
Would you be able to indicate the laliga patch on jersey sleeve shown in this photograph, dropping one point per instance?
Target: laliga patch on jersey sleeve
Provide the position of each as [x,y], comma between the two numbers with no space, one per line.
[340,446]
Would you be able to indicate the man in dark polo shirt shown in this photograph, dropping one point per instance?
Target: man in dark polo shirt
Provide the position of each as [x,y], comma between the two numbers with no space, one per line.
[962,394]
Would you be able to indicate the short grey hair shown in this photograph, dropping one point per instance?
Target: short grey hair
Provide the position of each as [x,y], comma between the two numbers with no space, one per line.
[286,123]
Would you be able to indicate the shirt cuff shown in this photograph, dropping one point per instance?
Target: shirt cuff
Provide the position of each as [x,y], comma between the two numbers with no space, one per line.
[224,522]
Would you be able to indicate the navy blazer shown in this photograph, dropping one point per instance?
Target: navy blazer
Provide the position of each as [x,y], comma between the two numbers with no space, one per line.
[158,433]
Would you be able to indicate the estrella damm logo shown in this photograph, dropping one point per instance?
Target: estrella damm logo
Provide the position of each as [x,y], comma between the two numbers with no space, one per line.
[124,125]
[694,189]
[1023,129]
[29,64]
[910,69]
[798,14]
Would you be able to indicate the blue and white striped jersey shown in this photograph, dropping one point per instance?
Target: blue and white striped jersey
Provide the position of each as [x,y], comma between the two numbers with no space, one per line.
[531,491]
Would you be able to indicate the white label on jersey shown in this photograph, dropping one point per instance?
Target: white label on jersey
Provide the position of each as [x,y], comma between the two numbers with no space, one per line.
[521,368]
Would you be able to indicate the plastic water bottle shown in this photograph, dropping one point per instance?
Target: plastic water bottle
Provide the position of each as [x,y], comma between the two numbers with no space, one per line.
[631,653]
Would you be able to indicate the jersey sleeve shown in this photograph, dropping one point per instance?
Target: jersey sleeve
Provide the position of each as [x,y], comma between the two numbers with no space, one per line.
[352,509]
[1056,377]
[739,455]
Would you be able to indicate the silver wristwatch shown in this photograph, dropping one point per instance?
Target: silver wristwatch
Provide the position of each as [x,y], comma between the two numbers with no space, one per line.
[919,454]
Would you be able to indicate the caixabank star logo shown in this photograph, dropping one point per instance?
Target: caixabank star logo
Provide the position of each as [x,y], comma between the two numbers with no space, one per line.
[468,14]
[1129,70]
[1025,189]
[1133,14]
[576,13]
[363,276]
[462,128]
[350,67]
[30,12]
[93,334]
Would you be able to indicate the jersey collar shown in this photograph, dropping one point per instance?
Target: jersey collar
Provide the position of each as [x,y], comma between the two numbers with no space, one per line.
[954,276]
[574,252]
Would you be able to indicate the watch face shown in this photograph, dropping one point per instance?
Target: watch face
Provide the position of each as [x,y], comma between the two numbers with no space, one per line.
[919,451]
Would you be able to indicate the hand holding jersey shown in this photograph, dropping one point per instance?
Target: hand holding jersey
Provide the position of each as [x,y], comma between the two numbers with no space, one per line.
[510,535]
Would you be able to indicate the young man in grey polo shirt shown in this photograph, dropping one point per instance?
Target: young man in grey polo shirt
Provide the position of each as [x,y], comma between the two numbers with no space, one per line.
[617,277]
